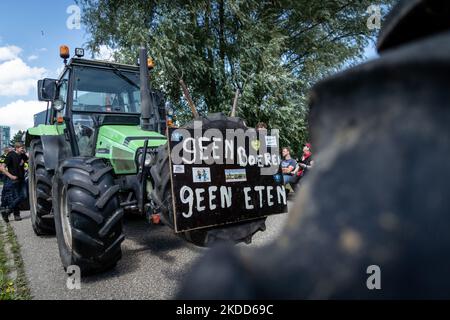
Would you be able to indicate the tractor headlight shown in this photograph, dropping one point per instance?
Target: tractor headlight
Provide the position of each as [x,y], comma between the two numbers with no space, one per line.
[148,159]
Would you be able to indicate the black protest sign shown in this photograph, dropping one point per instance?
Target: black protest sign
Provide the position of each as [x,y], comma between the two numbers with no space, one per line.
[220,180]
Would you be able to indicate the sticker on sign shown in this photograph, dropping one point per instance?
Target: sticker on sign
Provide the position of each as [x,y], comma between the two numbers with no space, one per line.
[201,175]
[235,175]
[178,168]
[271,141]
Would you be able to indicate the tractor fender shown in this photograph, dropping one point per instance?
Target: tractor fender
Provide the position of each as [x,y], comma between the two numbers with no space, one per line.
[55,149]
[39,131]
[54,144]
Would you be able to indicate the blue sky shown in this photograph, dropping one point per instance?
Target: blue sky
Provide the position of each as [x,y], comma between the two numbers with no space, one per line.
[38,28]
[30,35]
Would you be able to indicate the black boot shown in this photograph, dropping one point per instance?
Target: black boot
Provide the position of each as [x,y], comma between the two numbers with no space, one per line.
[17,215]
[5,214]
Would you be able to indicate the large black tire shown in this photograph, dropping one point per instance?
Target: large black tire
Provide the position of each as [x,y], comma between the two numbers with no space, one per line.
[162,193]
[40,191]
[88,217]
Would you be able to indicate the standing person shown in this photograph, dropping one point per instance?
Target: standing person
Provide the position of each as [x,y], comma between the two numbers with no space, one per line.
[288,165]
[3,179]
[2,161]
[15,173]
[4,154]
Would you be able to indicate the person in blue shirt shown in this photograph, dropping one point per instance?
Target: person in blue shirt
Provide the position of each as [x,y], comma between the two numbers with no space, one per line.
[288,165]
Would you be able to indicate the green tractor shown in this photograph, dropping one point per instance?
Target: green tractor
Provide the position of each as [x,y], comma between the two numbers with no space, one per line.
[102,151]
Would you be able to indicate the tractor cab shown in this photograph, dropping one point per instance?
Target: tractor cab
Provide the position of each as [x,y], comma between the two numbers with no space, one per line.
[90,94]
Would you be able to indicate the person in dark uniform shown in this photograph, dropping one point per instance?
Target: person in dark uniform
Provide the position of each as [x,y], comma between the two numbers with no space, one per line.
[14,170]
[2,161]
[3,177]
[3,158]
[5,153]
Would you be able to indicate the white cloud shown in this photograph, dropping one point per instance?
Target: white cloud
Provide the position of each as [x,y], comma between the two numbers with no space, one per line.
[59,70]
[9,53]
[16,77]
[19,115]
[33,57]
[105,53]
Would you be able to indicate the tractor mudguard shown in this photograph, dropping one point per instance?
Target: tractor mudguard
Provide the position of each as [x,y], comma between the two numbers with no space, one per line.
[56,149]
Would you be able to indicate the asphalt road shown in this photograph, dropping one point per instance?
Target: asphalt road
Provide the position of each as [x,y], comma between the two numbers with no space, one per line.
[153,263]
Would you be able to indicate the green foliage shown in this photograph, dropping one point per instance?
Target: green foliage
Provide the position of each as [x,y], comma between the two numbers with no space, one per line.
[18,137]
[272,50]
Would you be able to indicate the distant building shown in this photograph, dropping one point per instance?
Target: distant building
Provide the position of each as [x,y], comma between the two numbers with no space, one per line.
[5,137]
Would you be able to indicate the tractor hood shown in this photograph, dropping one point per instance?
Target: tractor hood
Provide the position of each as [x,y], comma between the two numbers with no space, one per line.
[119,144]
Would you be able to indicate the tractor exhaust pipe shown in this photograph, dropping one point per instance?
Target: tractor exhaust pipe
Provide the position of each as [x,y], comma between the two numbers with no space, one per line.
[146,102]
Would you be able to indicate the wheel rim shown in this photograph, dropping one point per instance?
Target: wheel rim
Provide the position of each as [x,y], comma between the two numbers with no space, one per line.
[65,218]
[32,188]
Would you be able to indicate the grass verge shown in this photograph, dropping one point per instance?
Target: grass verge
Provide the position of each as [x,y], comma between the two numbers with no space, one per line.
[11,262]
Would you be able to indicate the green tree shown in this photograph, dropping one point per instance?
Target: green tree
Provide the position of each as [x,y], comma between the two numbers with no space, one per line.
[18,137]
[272,50]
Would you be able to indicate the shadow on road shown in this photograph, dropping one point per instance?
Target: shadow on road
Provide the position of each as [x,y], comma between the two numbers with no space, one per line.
[145,241]
[154,263]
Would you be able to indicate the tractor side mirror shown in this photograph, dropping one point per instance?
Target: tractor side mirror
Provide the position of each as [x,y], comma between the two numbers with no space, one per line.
[46,89]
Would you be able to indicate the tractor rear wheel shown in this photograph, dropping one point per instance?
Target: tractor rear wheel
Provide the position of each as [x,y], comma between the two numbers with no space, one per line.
[162,192]
[88,216]
[40,195]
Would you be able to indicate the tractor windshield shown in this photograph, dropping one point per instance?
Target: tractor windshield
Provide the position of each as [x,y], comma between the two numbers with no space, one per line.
[105,91]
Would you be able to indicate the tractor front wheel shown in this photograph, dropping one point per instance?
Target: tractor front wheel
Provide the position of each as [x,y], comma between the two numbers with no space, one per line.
[39,189]
[88,217]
